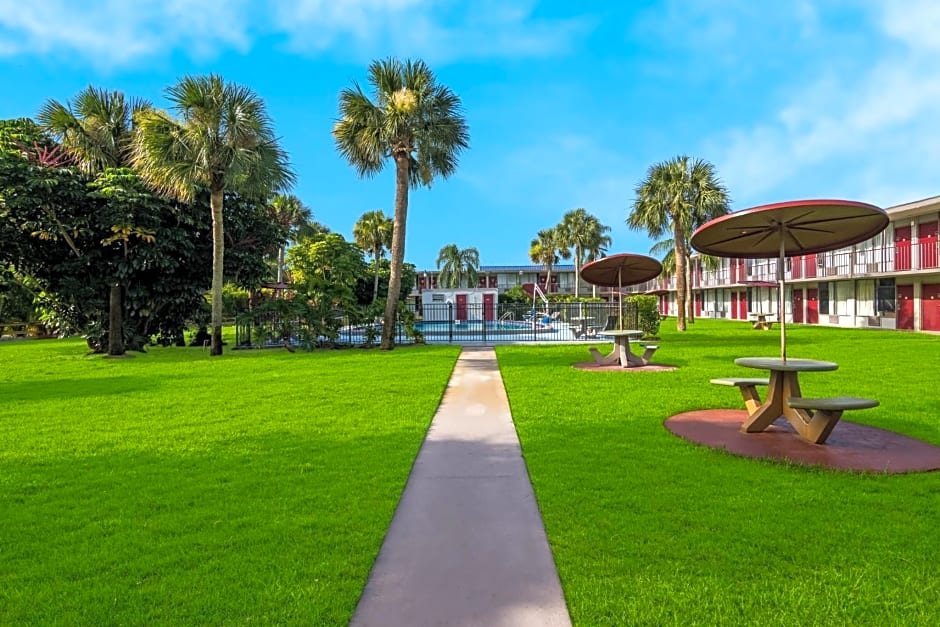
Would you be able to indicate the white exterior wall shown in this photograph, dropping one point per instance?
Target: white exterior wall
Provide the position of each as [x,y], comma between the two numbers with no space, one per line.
[437,297]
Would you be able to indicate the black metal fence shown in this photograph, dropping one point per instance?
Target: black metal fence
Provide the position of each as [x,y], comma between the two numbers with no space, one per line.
[455,323]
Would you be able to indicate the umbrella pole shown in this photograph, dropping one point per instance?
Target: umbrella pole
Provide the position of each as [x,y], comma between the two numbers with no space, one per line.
[780,296]
[620,301]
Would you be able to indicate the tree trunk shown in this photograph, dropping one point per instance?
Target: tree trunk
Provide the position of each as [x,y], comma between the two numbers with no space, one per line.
[218,252]
[280,263]
[115,322]
[397,258]
[689,300]
[577,273]
[679,239]
[548,281]
[375,284]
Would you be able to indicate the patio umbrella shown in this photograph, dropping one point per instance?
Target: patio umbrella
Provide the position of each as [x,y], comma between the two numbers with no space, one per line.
[619,270]
[786,229]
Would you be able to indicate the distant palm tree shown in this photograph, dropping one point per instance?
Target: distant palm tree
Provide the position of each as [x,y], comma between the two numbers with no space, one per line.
[291,212]
[373,234]
[96,130]
[456,264]
[582,231]
[418,124]
[224,140]
[674,196]
[547,249]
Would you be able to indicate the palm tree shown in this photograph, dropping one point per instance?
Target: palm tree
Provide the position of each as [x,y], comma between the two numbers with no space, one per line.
[674,196]
[96,130]
[373,234]
[582,231]
[456,264]
[546,249]
[292,213]
[418,124]
[224,140]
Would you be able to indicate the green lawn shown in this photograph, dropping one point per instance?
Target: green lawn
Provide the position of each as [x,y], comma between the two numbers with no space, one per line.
[649,529]
[175,488]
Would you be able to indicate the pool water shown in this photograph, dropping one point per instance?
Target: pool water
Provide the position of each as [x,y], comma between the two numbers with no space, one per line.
[476,326]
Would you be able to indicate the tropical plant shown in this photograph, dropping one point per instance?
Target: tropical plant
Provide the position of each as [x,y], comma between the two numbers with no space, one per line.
[373,234]
[585,234]
[457,264]
[547,249]
[96,131]
[223,140]
[291,213]
[413,121]
[674,196]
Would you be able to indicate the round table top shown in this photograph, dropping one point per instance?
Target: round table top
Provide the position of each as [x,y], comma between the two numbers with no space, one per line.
[621,333]
[790,365]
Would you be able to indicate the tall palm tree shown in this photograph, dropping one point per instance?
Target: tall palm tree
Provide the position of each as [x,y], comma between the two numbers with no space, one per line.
[456,264]
[415,122]
[293,214]
[581,231]
[673,197]
[547,249]
[373,234]
[224,140]
[96,130]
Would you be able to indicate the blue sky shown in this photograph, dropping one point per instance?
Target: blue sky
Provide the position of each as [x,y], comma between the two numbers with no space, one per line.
[568,104]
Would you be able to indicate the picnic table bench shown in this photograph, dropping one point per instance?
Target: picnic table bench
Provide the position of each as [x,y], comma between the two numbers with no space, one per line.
[14,329]
[761,321]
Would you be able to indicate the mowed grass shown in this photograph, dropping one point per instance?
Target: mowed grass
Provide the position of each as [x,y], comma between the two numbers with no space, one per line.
[175,488]
[648,529]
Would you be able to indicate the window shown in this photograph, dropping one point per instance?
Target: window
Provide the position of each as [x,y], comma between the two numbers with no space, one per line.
[885,298]
[824,298]
[865,297]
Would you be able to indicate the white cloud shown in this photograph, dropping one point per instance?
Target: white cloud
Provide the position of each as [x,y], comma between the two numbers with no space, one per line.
[114,33]
[868,134]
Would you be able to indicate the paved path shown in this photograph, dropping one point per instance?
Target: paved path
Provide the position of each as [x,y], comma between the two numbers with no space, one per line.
[466,546]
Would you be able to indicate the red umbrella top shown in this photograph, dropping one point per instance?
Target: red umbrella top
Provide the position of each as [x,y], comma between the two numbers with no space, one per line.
[621,269]
[801,226]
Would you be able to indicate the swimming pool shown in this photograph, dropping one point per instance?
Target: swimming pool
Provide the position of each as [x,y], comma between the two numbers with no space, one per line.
[477,327]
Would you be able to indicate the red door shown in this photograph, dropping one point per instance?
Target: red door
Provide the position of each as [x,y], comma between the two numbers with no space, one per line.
[461,307]
[488,307]
[902,248]
[734,305]
[742,306]
[698,305]
[798,306]
[810,261]
[797,267]
[905,306]
[927,234]
[812,304]
[930,307]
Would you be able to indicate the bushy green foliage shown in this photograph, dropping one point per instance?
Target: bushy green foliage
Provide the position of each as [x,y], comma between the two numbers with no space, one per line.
[648,313]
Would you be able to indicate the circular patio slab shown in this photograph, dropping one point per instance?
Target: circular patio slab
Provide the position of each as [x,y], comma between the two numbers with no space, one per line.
[594,367]
[850,447]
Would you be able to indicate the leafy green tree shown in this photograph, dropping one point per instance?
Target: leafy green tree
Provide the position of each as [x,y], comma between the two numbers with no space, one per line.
[582,232]
[224,140]
[547,249]
[457,264]
[413,121]
[373,234]
[96,131]
[674,196]
[325,271]
[296,218]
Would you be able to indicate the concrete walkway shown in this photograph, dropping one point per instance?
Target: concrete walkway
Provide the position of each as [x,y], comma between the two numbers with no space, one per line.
[466,546]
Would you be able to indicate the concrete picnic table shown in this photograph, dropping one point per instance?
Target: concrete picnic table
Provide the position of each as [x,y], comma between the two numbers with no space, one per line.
[760,321]
[621,355]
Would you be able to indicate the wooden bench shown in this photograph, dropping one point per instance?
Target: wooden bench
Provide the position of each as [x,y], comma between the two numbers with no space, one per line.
[13,329]
[748,389]
[821,414]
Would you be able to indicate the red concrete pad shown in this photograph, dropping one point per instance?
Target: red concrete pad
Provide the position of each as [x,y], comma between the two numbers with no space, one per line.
[850,447]
[593,366]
